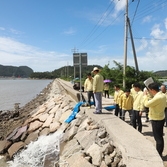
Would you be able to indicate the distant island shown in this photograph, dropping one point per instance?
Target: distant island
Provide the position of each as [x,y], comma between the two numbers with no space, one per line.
[13,71]
[63,72]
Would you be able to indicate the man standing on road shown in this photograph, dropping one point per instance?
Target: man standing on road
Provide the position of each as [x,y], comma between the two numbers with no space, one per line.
[156,114]
[88,86]
[137,107]
[117,94]
[97,90]
[126,104]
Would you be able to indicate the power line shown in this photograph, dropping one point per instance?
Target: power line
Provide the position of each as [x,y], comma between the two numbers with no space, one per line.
[158,39]
[135,11]
[138,14]
[149,9]
[100,21]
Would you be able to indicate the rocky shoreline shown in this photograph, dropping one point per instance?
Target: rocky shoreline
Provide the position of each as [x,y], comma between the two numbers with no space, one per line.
[9,120]
[85,143]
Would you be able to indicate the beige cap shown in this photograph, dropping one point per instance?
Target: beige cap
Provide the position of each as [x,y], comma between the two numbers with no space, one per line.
[95,69]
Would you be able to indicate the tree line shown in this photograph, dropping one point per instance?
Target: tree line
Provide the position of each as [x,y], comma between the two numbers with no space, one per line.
[115,74]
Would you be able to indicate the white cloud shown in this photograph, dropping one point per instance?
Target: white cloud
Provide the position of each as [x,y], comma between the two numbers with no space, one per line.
[119,6]
[156,31]
[15,31]
[165,22]
[147,19]
[17,54]
[2,28]
[70,31]
[143,45]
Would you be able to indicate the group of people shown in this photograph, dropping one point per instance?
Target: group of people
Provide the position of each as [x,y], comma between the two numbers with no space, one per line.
[135,101]
[151,100]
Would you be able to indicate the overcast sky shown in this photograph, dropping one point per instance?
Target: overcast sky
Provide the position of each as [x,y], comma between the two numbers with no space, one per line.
[43,34]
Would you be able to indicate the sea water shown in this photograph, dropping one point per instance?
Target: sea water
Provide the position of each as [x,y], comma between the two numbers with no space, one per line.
[35,155]
[19,91]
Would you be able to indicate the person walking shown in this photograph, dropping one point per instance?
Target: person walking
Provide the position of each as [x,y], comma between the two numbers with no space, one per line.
[97,90]
[117,94]
[88,87]
[138,107]
[163,90]
[106,90]
[126,104]
[156,114]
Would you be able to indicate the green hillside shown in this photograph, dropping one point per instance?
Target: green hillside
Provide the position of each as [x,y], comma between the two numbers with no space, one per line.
[13,71]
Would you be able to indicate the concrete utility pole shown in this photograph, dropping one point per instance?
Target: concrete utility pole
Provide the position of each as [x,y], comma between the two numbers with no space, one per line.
[133,46]
[125,44]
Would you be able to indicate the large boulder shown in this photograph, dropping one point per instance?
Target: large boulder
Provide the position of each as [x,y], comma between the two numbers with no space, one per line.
[4,145]
[15,148]
[78,160]
[34,126]
[96,154]
[32,137]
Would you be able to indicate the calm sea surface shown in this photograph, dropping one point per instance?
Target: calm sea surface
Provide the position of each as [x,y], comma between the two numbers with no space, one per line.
[19,91]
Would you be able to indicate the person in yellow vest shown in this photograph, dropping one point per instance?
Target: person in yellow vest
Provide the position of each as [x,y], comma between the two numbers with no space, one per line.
[156,114]
[138,107]
[117,94]
[98,90]
[163,90]
[88,87]
[106,90]
[126,104]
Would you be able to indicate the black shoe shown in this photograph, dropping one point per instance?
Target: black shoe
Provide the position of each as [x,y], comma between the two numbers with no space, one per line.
[96,112]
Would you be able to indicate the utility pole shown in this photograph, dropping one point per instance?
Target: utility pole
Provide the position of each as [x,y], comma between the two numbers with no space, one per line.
[125,44]
[133,46]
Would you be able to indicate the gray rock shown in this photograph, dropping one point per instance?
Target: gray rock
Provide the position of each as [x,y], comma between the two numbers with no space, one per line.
[34,126]
[4,145]
[107,149]
[69,148]
[78,160]
[32,137]
[54,126]
[103,164]
[48,121]
[44,132]
[101,133]
[70,133]
[86,138]
[15,148]
[95,153]
[19,133]
[107,160]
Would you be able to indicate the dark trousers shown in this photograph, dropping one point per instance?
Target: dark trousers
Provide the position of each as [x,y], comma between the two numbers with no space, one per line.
[157,127]
[146,109]
[165,116]
[118,111]
[106,93]
[136,120]
[90,94]
[130,115]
